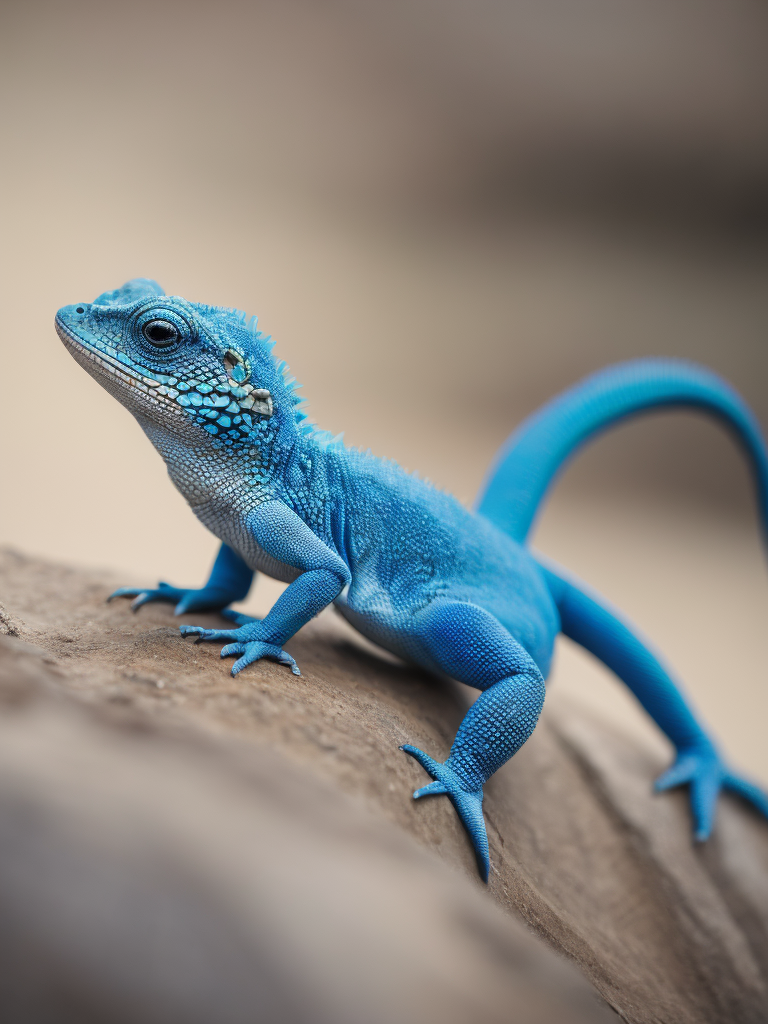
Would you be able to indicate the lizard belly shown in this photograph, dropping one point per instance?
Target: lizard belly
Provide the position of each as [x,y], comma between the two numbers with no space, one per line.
[379,627]
[506,583]
[374,610]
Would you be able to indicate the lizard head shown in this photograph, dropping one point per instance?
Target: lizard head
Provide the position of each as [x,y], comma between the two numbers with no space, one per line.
[200,371]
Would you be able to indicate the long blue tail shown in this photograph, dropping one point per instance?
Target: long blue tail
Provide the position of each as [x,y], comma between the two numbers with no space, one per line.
[527,464]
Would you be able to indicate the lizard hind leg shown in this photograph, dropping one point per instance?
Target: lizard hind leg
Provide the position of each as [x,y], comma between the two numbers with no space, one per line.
[590,622]
[469,644]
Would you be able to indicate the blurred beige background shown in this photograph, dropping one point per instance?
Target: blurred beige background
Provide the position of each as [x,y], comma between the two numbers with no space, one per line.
[444,212]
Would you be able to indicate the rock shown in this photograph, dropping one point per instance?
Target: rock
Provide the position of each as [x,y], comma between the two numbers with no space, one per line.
[179,845]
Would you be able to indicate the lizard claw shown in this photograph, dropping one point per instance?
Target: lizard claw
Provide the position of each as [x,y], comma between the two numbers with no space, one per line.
[468,804]
[186,600]
[253,651]
[435,788]
[200,633]
[143,595]
[250,649]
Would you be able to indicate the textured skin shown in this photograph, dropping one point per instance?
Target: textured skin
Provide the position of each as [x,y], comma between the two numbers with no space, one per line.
[449,589]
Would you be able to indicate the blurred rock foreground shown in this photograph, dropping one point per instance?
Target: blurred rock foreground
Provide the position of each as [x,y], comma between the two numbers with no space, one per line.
[176,845]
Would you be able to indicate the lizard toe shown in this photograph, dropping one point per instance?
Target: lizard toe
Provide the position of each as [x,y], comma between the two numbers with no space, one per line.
[468,804]
[255,650]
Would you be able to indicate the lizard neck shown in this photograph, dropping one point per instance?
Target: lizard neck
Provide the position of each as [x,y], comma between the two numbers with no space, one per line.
[204,474]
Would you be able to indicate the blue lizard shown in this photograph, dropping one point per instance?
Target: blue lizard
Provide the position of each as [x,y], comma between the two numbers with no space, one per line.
[453,590]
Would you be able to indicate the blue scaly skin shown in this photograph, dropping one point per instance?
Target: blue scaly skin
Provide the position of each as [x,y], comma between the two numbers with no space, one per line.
[455,591]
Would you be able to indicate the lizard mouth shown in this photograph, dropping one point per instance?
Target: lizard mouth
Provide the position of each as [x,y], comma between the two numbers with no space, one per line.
[225,407]
[112,369]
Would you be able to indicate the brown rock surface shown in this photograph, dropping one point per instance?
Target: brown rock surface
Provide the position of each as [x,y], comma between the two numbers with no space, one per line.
[179,845]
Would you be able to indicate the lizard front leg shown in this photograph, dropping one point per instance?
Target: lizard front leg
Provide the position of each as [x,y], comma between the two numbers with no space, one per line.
[230,580]
[323,575]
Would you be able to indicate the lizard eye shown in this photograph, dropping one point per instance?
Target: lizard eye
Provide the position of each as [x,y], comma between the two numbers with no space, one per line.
[160,333]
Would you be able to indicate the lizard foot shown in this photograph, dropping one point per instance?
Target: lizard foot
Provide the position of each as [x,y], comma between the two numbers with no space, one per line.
[707,775]
[255,650]
[243,642]
[203,599]
[468,803]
